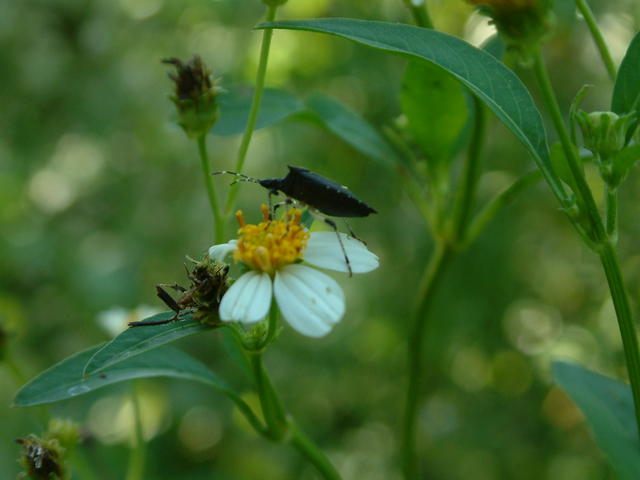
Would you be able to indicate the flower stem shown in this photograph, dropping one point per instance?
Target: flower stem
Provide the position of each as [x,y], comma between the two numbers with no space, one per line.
[311,452]
[280,426]
[436,267]
[601,45]
[137,460]
[420,14]
[609,260]
[272,408]
[611,213]
[255,106]
[602,244]
[582,190]
[211,192]
[470,174]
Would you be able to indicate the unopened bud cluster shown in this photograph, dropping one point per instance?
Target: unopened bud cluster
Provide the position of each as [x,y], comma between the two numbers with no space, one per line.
[195,96]
[522,24]
[604,133]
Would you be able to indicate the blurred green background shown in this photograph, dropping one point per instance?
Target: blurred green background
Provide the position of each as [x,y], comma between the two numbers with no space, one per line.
[101,198]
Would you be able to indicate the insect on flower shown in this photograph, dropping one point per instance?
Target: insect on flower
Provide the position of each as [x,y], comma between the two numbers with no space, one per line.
[279,255]
[321,195]
[202,298]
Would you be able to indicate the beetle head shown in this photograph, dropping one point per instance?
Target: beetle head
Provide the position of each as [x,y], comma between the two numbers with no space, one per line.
[271,183]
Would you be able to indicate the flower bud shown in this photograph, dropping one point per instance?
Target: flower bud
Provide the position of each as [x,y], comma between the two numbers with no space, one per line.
[604,133]
[65,431]
[521,23]
[195,96]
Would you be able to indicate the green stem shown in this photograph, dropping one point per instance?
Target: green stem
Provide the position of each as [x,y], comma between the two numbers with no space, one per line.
[420,14]
[601,45]
[81,464]
[603,245]
[280,427]
[137,460]
[609,260]
[255,106]
[16,373]
[582,190]
[470,174]
[211,192]
[611,213]
[272,409]
[313,454]
[430,280]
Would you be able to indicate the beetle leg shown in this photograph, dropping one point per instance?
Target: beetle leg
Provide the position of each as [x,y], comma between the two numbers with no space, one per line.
[333,225]
[351,234]
[284,203]
[167,299]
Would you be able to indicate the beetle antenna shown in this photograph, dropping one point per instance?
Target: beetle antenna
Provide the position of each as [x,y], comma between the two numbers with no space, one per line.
[241,176]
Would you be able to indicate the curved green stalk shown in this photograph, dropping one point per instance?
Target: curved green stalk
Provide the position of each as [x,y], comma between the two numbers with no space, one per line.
[281,428]
[470,174]
[310,451]
[433,273]
[255,106]
[218,221]
[137,459]
[598,39]
[603,244]
[611,213]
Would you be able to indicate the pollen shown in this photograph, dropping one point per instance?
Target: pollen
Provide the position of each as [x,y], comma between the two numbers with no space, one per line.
[271,244]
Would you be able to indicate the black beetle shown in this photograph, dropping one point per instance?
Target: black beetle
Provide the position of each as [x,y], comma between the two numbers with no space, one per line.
[318,193]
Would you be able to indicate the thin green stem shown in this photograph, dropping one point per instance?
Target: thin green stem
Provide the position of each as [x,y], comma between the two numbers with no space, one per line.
[470,174]
[433,273]
[218,221]
[602,243]
[582,190]
[137,459]
[609,260]
[81,464]
[313,454]
[13,368]
[280,426]
[611,213]
[267,34]
[598,39]
[420,14]
[272,409]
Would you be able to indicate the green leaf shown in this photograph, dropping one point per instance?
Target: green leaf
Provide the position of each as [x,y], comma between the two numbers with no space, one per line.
[276,106]
[485,76]
[608,406]
[136,340]
[353,129]
[627,89]
[65,380]
[435,105]
[622,163]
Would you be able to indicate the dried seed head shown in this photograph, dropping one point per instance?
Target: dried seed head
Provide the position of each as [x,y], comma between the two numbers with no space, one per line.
[195,95]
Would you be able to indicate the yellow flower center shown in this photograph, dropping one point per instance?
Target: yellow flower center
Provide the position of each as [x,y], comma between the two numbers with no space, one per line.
[271,244]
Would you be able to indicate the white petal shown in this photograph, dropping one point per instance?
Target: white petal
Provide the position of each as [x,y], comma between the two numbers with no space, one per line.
[248,300]
[323,250]
[219,252]
[311,301]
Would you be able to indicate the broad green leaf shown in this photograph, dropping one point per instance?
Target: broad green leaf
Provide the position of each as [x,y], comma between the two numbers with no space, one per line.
[608,406]
[485,76]
[65,379]
[136,340]
[276,106]
[627,88]
[435,105]
[351,128]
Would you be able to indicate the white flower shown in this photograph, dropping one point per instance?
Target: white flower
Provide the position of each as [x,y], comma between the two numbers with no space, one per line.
[310,301]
